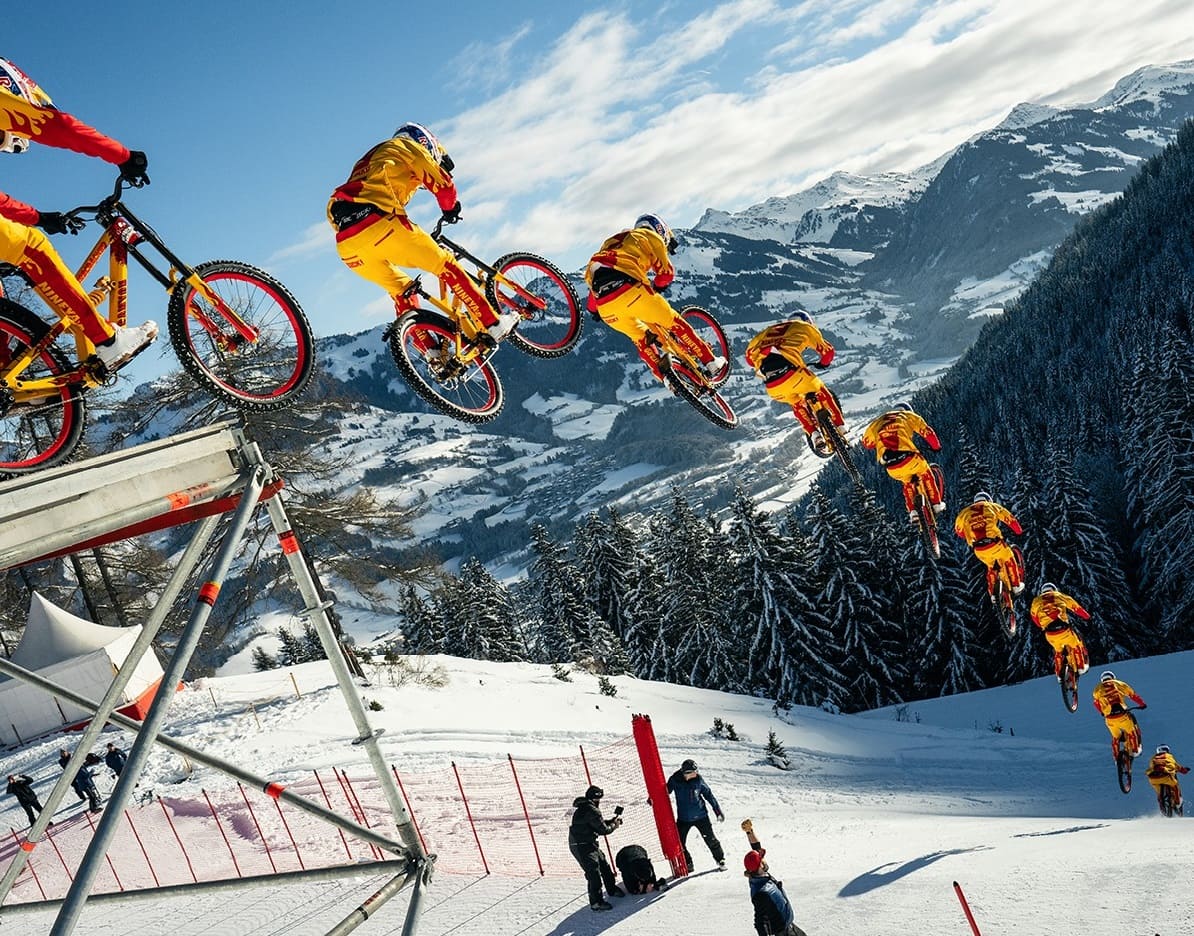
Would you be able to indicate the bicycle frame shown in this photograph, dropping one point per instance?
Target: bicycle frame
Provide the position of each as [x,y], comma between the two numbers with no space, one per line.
[122,232]
[666,343]
[468,349]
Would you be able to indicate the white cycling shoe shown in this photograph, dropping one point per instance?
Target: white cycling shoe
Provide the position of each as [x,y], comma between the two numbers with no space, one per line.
[126,344]
[503,326]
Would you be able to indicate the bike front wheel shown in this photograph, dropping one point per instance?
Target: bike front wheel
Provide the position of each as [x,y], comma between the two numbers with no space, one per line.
[1123,768]
[423,345]
[39,433]
[262,372]
[927,525]
[694,388]
[1069,683]
[541,294]
[833,435]
[709,330]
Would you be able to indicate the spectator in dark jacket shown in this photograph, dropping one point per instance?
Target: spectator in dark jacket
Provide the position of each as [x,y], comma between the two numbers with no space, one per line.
[21,786]
[84,782]
[115,758]
[638,874]
[773,912]
[691,793]
[588,825]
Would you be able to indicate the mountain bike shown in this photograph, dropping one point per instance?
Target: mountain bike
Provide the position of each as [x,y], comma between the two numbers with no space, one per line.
[236,330]
[821,411]
[684,375]
[927,525]
[1002,594]
[1165,801]
[1124,755]
[1067,675]
[445,354]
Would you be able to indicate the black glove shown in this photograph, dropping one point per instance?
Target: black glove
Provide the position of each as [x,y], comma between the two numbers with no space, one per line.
[819,366]
[55,222]
[452,215]
[132,170]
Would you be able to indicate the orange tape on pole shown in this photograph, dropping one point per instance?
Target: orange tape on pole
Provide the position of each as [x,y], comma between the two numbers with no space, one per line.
[289,542]
[209,592]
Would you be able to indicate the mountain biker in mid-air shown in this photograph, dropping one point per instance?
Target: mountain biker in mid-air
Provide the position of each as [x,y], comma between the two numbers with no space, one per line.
[1050,611]
[978,524]
[27,113]
[1162,772]
[892,437]
[775,355]
[626,278]
[374,235]
[1109,700]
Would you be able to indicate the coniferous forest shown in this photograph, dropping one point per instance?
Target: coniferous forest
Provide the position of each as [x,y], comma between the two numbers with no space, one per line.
[1074,409]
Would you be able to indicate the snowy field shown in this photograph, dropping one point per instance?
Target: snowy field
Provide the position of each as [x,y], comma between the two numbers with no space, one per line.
[878,816]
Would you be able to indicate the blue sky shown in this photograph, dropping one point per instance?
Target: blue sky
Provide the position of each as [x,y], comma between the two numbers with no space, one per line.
[565,120]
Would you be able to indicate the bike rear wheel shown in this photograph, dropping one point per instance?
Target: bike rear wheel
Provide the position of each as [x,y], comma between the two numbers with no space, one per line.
[261,374]
[833,435]
[551,320]
[1166,801]
[928,522]
[39,434]
[692,387]
[423,345]
[1069,682]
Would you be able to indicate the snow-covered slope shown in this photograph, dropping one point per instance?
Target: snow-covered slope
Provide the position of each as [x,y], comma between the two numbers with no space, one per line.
[879,815]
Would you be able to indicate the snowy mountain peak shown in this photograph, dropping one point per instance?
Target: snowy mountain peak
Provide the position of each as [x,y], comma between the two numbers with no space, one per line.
[1150,84]
[1027,114]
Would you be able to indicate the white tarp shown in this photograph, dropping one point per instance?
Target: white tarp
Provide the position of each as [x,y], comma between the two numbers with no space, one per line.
[76,653]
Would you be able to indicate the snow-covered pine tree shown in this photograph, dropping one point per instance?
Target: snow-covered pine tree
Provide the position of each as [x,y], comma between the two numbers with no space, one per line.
[692,560]
[478,621]
[853,608]
[422,629]
[938,616]
[1159,434]
[568,629]
[787,636]
[608,551]
[1078,556]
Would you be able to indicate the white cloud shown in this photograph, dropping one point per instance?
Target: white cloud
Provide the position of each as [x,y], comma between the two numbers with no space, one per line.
[623,116]
[316,239]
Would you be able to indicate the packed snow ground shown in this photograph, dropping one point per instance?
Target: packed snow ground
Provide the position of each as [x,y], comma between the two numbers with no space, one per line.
[879,814]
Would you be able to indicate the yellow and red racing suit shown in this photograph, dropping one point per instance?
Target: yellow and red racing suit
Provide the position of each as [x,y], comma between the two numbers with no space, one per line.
[1110,700]
[1050,611]
[22,244]
[978,524]
[1162,771]
[624,278]
[374,236]
[892,437]
[775,355]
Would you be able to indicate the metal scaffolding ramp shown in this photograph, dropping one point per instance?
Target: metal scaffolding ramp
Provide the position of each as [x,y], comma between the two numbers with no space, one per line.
[195,476]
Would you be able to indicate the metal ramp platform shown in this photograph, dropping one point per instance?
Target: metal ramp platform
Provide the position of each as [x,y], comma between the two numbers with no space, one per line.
[194,476]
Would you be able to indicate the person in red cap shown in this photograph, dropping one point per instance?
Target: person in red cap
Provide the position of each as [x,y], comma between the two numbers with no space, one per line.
[773,912]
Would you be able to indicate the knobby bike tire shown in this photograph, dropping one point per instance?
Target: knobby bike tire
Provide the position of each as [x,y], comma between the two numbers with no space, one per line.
[1123,767]
[266,374]
[928,523]
[37,436]
[1167,802]
[695,389]
[549,332]
[830,432]
[1069,683]
[709,330]
[423,346]
[1003,606]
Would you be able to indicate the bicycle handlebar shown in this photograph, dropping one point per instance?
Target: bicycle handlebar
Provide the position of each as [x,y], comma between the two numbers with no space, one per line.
[108,202]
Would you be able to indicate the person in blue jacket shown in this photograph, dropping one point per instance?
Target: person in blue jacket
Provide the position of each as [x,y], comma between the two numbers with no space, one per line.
[115,759]
[773,911]
[691,793]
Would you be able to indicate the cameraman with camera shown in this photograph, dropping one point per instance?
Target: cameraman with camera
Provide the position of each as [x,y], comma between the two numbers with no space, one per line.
[588,825]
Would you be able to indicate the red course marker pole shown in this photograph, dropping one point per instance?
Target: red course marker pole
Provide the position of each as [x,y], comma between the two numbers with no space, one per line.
[966,908]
